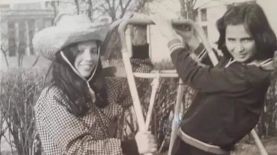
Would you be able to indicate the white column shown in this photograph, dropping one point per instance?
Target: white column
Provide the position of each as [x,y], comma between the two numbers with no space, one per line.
[27,50]
[16,29]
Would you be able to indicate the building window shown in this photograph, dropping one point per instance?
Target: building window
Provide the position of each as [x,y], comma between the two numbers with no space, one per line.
[203,14]
[47,4]
[17,38]
[205,29]
[22,38]
[31,31]
[11,39]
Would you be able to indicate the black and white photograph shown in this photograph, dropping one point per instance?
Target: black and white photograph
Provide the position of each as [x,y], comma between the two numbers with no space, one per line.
[138,77]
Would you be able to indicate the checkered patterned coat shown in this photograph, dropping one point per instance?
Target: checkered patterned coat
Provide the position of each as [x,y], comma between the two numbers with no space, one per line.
[63,133]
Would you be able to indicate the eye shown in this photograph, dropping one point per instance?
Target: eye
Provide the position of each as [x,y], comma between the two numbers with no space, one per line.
[231,40]
[94,51]
[246,40]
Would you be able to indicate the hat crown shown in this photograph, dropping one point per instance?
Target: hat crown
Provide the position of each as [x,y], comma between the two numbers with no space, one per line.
[68,29]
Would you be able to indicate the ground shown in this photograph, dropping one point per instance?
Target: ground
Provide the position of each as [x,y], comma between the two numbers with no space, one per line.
[251,149]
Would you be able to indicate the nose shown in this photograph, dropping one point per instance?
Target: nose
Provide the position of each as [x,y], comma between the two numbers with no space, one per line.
[238,47]
[89,56]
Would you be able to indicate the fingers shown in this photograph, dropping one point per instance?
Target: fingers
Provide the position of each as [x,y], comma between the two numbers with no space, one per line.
[146,142]
[186,35]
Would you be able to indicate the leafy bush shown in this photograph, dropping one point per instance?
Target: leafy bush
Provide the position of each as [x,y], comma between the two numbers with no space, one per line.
[268,122]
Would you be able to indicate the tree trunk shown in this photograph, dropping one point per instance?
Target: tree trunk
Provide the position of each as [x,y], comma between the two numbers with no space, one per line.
[77,6]
[90,11]
[55,9]
[4,52]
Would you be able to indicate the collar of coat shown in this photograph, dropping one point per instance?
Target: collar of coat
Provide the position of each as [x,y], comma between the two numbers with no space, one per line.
[264,64]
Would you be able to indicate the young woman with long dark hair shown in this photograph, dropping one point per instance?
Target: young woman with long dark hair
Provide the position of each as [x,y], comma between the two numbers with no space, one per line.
[230,96]
[79,111]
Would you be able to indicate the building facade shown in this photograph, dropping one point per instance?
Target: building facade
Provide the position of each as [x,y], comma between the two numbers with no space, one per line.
[19,21]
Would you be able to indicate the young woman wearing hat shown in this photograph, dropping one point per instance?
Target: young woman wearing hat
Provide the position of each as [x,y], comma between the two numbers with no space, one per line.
[77,113]
[230,96]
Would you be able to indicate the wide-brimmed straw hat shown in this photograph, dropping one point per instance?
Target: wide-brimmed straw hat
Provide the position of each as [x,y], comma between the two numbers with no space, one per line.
[68,29]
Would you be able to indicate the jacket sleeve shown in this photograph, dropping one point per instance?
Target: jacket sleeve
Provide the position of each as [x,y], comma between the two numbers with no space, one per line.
[208,79]
[70,134]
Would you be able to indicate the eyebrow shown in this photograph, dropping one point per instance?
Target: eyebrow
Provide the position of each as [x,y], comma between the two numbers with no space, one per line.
[250,38]
[230,38]
[243,38]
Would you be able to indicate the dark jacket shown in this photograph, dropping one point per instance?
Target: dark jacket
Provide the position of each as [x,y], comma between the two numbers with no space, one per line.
[228,102]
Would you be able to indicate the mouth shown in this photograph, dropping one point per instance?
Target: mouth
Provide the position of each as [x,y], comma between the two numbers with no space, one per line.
[86,67]
[242,55]
[88,63]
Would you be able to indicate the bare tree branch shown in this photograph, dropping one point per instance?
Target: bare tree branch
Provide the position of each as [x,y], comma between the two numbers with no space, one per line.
[121,5]
[4,52]
[141,5]
[54,5]
[108,3]
[110,10]
[124,9]
[90,9]
[187,8]
[118,8]
[113,3]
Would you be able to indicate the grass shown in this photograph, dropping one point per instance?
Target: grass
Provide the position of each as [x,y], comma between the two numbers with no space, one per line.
[251,149]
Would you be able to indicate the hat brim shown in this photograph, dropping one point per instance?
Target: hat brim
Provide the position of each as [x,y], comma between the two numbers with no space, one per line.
[52,39]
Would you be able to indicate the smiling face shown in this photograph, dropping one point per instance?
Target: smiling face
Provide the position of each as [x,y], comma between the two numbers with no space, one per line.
[240,43]
[87,58]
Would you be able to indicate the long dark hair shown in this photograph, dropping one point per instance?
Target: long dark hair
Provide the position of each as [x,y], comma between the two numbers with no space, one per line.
[74,87]
[253,18]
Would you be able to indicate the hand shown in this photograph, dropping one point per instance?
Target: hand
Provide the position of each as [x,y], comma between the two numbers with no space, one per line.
[146,142]
[138,35]
[188,32]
